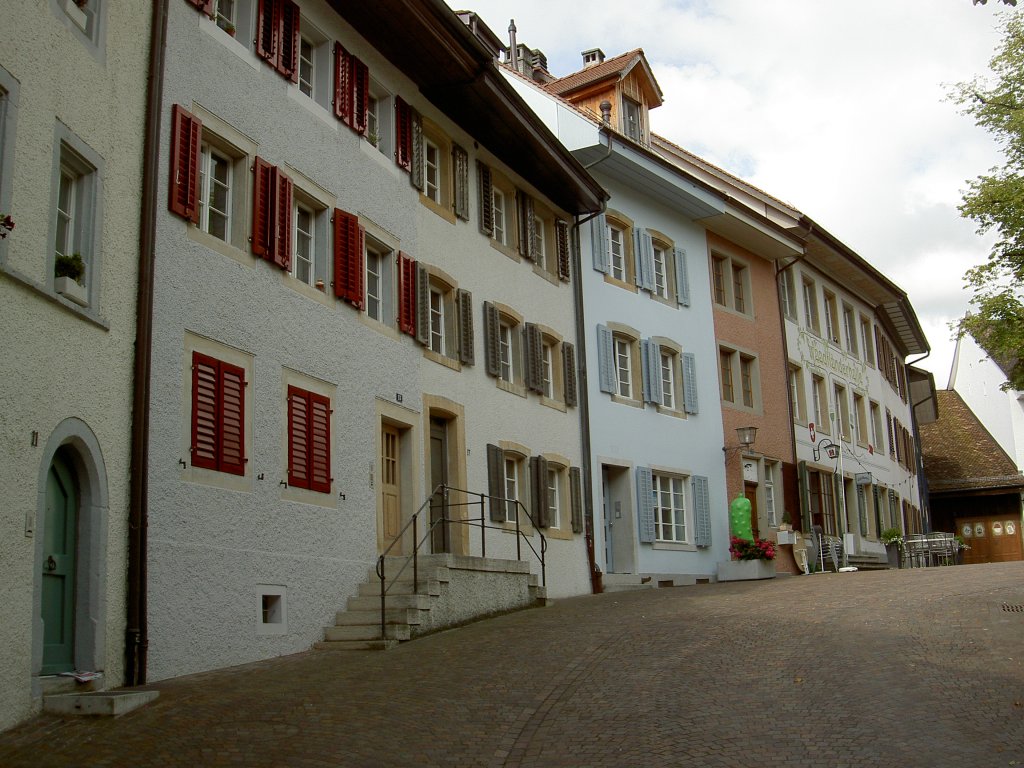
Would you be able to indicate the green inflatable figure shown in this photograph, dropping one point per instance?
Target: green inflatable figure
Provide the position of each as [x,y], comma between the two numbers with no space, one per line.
[739,518]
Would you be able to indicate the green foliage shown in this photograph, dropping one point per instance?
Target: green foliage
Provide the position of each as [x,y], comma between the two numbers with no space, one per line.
[996,202]
[892,536]
[70,266]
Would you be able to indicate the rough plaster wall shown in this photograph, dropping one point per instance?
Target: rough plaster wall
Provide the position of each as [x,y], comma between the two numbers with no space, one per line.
[469,594]
[56,365]
[643,436]
[210,547]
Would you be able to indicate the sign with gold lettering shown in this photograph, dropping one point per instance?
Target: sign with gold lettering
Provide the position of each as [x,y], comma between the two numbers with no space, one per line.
[818,353]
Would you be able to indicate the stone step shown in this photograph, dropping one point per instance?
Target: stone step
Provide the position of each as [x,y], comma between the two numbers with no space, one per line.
[108,703]
[426,587]
[367,632]
[626,582]
[395,574]
[372,603]
[356,645]
[391,616]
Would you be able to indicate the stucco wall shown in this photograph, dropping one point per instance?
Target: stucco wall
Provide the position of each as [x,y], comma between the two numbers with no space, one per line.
[211,547]
[62,363]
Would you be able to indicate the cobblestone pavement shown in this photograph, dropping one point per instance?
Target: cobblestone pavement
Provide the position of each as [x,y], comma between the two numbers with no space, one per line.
[892,668]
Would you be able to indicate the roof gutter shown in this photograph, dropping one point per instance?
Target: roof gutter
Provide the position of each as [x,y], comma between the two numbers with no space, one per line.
[136,635]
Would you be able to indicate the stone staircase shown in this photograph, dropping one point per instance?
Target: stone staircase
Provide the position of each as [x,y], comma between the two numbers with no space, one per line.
[626,582]
[452,590]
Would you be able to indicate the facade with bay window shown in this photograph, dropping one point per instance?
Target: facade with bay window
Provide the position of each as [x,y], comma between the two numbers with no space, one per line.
[347,317]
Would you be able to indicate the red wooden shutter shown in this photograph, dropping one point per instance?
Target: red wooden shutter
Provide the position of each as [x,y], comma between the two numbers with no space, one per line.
[263,209]
[403,134]
[349,247]
[218,415]
[206,6]
[298,438]
[342,90]
[288,31]
[204,411]
[320,443]
[267,25]
[282,255]
[186,131]
[406,294]
[232,421]
[359,78]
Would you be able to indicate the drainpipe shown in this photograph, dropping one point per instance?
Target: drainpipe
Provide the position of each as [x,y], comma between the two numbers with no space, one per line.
[922,480]
[513,49]
[136,638]
[583,393]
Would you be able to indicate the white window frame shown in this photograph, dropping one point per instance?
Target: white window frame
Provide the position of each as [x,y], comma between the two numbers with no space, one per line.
[867,341]
[208,153]
[499,213]
[831,317]
[554,492]
[76,162]
[512,475]
[307,67]
[673,515]
[379,265]
[669,364]
[788,294]
[617,253]
[379,118]
[849,329]
[770,468]
[507,368]
[623,364]
[432,170]
[809,292]
[547,368]
[661,272]
[439,341]
[303,256]
[819,401]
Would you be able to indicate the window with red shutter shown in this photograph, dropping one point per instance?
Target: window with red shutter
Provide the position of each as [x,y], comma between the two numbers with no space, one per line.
[359,78]
[283,199]
[349,249]
[288,33]
[309,440]
[267,36]
[186,133]
[342,89]
[206,6]
[262,208]
[406,294]
[218,415]
[403,134]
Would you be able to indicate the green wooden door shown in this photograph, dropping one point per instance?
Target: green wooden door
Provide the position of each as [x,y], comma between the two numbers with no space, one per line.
[58,591]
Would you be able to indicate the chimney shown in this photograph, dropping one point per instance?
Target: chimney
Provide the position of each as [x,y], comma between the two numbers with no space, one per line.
[606,112]
[592,57]
[513,49]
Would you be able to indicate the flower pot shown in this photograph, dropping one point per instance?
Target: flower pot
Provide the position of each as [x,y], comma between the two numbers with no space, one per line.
[892,552]
[71,290]
[76,14]
[746,570]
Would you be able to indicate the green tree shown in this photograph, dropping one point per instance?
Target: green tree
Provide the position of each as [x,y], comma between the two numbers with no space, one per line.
[996,202]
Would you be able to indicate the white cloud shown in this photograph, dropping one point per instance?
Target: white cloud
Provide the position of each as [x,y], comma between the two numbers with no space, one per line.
[837,108]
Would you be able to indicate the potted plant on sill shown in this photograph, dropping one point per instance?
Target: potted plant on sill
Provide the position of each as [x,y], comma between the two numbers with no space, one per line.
[892,538]
[68,272]
[751,558]
[6,225]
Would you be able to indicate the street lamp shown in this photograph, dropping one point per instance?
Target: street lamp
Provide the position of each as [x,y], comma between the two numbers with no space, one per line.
[745,436]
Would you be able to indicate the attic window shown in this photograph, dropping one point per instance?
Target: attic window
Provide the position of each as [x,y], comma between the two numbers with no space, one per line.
[631,118]
[593,56]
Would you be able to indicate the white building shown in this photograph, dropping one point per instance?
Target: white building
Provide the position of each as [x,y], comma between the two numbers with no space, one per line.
[72,125]
[363,292]
[849,331]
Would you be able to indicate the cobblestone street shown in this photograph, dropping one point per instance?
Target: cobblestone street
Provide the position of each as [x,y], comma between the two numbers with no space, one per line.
[893,668]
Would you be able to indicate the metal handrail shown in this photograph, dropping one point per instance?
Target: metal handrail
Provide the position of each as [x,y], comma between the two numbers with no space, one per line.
[484,527]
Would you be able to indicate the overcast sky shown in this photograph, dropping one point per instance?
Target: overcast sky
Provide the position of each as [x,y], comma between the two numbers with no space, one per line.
[839,109]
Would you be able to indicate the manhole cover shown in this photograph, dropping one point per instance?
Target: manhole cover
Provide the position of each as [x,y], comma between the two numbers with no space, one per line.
[1008,608]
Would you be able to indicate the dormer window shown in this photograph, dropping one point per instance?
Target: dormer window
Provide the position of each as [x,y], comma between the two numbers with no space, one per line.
[631,118]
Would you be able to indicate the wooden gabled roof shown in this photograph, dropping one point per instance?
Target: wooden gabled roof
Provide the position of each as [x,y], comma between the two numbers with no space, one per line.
[615,68]
[960,455]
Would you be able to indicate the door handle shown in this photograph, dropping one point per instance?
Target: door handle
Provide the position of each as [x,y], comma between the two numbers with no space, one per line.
[51,564]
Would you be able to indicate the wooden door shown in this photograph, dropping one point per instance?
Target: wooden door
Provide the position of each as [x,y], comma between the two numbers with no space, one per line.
[57,607]
[750,492]
[440,539]
[390,488]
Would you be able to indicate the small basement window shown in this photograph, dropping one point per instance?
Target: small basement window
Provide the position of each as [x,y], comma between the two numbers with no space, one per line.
[271,616]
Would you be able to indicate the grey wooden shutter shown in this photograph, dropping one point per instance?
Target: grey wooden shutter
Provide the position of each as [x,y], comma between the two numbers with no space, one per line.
[576,498]
[701,511]
[650,355]
[486,200]
[422,305]
[496,482]
[606,360]
[643,254]
[599,243]
[645,504]
[465,301]
[804,487]
[460,165]
[539,490]
[416,175]
[562,248]
[690,382]
[569,374]
[527,226]
[491,352]
[682,277]
[534,358]
[862,509]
